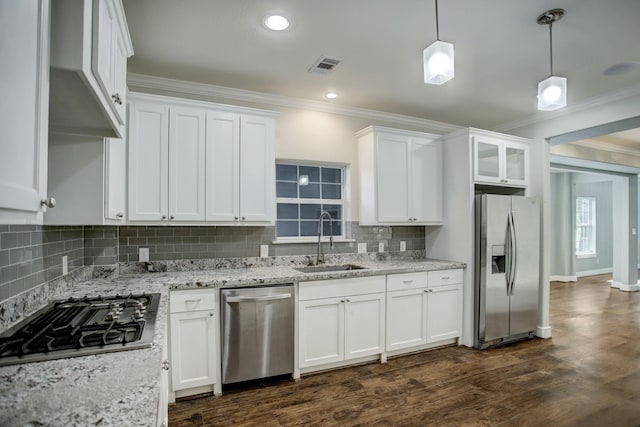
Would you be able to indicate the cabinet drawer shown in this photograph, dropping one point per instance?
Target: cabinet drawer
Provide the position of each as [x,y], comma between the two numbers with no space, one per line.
[445,277]
[192,300]
[398,282]
[333,288]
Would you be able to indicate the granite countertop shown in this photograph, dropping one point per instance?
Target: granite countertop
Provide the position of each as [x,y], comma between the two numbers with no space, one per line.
[122,388]
[277,274]
[108,389]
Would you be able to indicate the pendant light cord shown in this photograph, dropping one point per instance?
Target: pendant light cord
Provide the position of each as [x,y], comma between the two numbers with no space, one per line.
[437,27]
[550,46]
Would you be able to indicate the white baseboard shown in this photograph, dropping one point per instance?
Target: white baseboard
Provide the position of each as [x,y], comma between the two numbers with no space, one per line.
[563,278]
[626,287]
[543,332]
[594,272]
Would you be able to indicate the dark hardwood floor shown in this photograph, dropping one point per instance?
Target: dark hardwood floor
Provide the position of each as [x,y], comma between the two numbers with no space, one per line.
[588,374]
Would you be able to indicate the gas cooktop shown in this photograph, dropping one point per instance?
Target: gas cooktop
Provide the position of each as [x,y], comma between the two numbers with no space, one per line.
[82,326]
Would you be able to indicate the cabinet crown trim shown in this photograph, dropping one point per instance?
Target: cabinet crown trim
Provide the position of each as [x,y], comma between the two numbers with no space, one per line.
[471,132]
[185,102]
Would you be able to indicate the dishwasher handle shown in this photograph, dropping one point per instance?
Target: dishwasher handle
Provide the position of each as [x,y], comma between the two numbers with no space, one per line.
[260,298]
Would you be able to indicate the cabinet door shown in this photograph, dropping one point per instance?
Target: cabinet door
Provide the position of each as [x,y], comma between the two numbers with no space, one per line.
[321,331]
[148,162]
[186,164]
[193,358]
[444,312]
[406,318]
[24,85]
[104,37]
[392,180]
[119,60]
[516,163]
[162,419]
[257,169]
[115,155]
[364,325]
[222,166]
[487,160]
[426,181]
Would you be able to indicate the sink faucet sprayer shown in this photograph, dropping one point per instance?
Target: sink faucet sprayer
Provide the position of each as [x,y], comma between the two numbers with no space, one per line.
[319,253]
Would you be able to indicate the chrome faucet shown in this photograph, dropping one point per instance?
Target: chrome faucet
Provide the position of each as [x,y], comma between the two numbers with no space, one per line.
[319,253]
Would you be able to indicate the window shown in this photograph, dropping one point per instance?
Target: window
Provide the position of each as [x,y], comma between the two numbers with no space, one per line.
[302,193]
[585,226]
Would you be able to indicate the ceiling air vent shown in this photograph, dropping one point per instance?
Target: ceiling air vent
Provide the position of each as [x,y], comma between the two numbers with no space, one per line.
[325,65]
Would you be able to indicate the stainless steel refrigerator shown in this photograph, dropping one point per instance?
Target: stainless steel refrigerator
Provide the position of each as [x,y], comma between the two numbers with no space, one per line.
[507,268]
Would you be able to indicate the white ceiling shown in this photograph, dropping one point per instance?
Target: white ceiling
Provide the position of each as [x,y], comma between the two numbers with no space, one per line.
[501,52]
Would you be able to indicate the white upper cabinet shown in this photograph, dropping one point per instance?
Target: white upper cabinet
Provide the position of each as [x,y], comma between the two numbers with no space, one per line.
[90,44]
[24,30]
[186,164]
[240,168]
[193,162]
[400,177]
[500,161]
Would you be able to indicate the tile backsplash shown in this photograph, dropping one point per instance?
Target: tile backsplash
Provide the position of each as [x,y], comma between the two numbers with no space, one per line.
[32,254]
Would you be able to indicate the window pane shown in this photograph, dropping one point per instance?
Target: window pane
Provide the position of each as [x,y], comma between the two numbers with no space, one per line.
[309,211]
[312,171]
[311,191]
[287,189]
[334,210]
[331,191]
[287,228]
[308,228]
[287,173]
[332,175]
[287,211]
[337,228]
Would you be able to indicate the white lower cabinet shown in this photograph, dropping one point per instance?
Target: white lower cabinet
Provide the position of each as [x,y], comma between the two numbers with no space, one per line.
[162,419]
[193,339]
[341,319]
[423,308]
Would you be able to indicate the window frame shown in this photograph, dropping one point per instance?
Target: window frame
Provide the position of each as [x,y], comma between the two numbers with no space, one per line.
[591,225]
[344,202]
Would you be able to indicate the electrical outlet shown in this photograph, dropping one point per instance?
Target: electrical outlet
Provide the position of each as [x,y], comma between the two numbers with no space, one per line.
[403,246]
[362,248]
[264,251]
[143,254]
[65,265]
[597,260]
[381,247]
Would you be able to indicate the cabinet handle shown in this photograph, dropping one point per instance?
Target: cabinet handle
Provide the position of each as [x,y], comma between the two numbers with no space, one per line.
[342,301]
[235,218]
[426,290]
[116,98]
[430,290]
[165,365]
[192,300]
[119,215]
[243,218]
[164,217]
[172,217]
[211,314]
[445,277]
[50,202]
[407,281]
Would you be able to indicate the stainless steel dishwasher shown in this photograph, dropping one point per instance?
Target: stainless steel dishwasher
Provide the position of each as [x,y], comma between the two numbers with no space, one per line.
[257,332]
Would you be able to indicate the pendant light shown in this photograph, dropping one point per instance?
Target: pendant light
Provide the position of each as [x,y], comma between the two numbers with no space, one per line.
[552,91]
[437,59]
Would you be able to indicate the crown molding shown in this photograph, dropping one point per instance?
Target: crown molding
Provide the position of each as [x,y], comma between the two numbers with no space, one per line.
[137,82]
[606,146]
[587,104]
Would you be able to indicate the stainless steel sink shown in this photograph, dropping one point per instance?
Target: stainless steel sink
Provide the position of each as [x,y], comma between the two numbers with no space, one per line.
[328,268]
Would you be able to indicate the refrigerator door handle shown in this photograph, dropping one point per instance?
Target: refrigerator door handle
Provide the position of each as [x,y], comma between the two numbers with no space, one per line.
[514,253]
[507,254]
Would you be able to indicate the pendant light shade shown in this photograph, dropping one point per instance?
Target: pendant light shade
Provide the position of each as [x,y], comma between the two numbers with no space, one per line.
[438,59]
[552,91]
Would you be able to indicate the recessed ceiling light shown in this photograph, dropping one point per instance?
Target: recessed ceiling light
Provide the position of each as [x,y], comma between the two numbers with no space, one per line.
[276,22]
[331,94]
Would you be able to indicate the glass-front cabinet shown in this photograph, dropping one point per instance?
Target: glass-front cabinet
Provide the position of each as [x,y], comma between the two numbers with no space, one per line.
[500,162]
